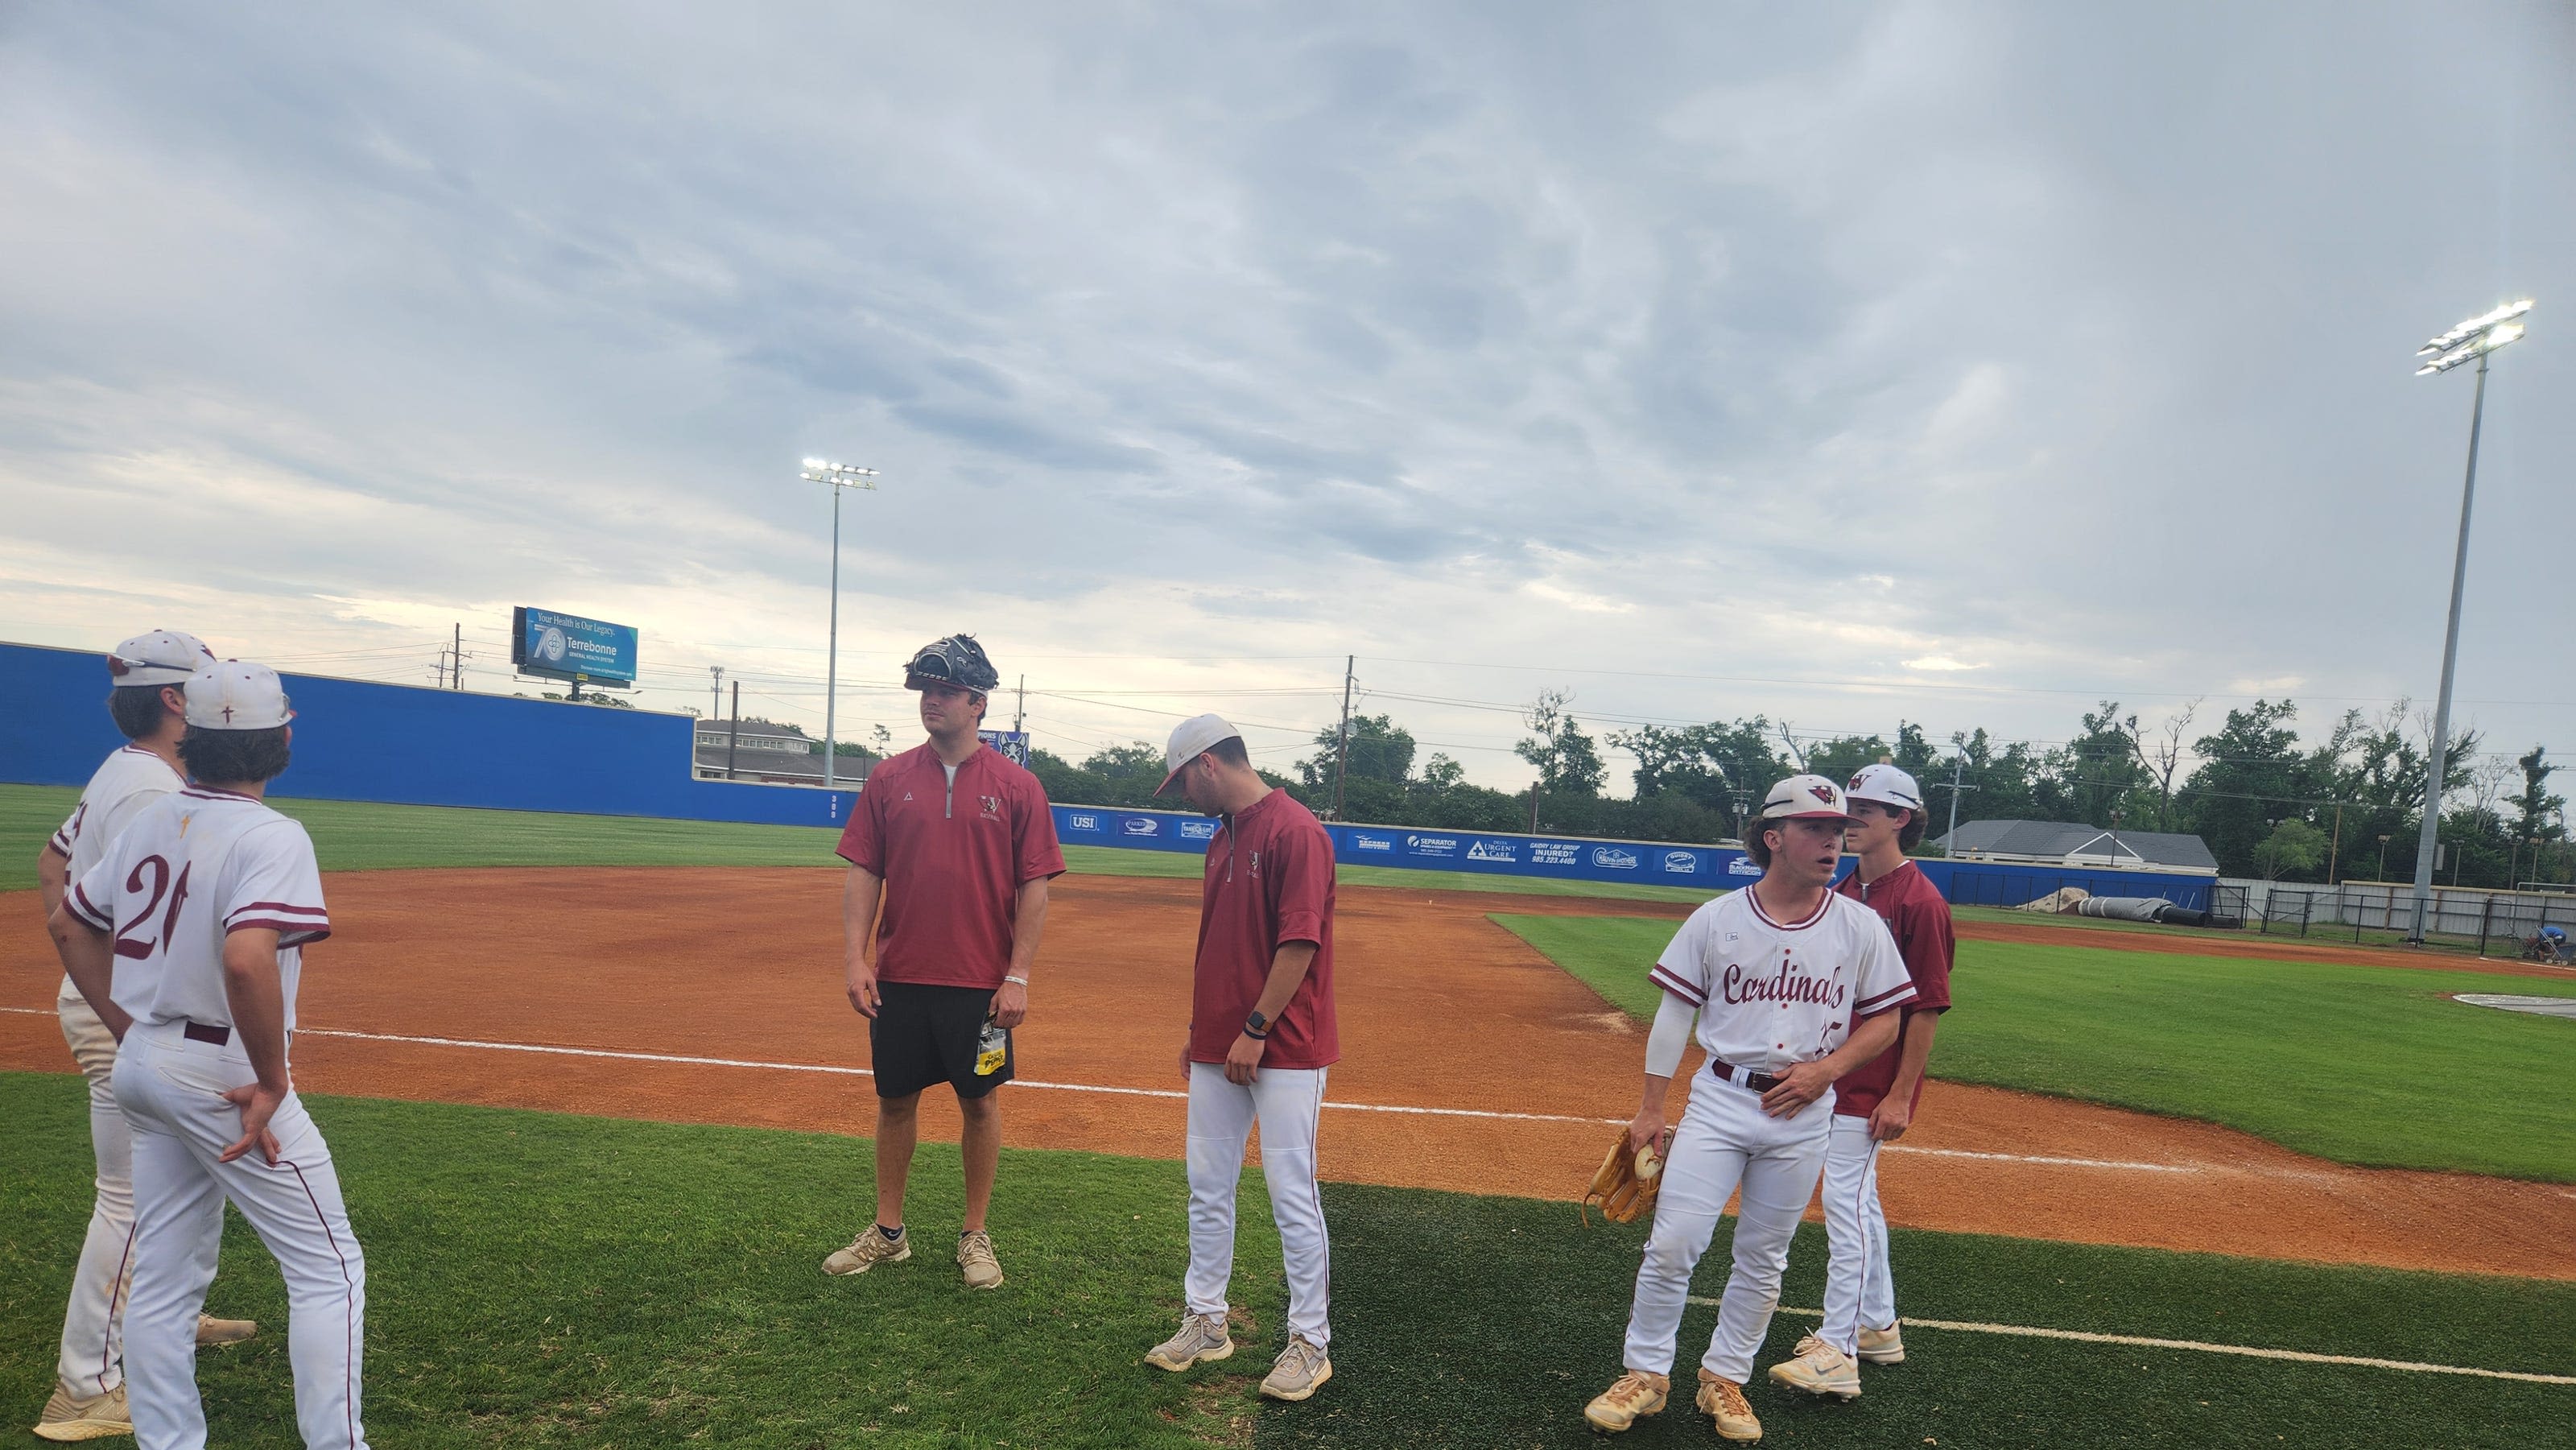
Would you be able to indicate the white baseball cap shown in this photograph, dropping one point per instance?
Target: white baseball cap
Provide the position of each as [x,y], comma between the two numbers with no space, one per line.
[1804,798]
[236,695]
[1190,740]
[163,657]
[1887,785]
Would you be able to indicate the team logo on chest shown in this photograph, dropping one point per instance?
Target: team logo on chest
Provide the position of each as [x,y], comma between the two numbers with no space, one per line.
[992,805]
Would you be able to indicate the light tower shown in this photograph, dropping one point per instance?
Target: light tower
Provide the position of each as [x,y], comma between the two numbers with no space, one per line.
[2474,338]
[837,476]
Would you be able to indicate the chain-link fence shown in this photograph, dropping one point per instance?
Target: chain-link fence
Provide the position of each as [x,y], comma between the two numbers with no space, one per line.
[2498,922]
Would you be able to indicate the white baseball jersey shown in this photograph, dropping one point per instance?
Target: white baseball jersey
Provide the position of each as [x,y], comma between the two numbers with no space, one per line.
[128,780]
[171,919]
[1772,993]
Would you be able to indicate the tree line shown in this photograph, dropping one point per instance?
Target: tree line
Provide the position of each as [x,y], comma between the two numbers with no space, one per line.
[2344,806]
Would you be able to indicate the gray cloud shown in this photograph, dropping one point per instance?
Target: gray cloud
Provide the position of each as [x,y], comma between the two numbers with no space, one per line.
[1519,335]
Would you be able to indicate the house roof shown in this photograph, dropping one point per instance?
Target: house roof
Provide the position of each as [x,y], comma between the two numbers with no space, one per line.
[2057,840]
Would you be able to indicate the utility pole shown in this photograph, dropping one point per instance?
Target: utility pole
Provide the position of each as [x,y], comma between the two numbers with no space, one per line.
[715,706]
[1020,712]
[1958,765]
[1342,761]
[734,740]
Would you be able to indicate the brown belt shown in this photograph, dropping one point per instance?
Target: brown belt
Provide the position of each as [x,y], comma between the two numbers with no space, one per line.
[1760,1082]
[200,1032]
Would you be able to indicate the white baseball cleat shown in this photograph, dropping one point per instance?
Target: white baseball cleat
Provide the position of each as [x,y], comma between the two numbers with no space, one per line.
[1819,1369]
[1882,1346]
[1203,1340]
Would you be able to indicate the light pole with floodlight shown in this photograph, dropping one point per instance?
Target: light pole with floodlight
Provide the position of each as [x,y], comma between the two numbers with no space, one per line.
[2474,338]
[837,476]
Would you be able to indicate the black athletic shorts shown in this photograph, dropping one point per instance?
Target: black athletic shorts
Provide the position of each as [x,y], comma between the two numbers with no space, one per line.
[923,1035]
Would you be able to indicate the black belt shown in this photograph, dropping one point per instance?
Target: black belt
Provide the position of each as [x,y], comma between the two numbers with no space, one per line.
[1760,1082]
[200,1032]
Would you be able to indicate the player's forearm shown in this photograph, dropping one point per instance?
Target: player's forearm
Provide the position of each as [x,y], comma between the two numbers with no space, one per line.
[1288,967]
[257,1000]
[53,877]
[1915,1053]
[1866,1042]
[1650,1098]
[1028,922]
[90,961]
[859,899]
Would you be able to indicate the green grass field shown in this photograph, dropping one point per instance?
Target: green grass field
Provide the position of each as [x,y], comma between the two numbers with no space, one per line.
[2363,1065]
[545,1280]
[363,836]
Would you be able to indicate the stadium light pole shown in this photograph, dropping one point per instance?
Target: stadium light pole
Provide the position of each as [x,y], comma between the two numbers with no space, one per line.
[2474,338]
[837,477]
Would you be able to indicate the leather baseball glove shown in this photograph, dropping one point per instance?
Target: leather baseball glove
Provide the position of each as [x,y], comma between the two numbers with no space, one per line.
[1626,1184]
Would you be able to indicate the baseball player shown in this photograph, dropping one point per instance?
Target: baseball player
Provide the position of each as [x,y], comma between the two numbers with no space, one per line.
[1875,1102]
[1793,986]
[950,848]
[195,973]
[148,674]
[1262,1036]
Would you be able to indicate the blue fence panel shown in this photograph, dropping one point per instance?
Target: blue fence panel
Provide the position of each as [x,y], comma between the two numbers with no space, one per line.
[357,740]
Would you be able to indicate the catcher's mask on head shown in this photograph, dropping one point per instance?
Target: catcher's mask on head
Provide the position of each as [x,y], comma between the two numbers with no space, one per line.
[957,660]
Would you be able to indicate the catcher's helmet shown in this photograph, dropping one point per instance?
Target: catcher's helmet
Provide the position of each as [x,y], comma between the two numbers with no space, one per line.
[957,660]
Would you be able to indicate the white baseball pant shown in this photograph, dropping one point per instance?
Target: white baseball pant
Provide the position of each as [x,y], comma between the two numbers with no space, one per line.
[170,1089]
[1725,1142]
[1287,1102]
[1859,1291]
[92,1361]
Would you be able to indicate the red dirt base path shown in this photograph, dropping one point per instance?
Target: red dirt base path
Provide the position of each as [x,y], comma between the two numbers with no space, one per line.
[1501,1067]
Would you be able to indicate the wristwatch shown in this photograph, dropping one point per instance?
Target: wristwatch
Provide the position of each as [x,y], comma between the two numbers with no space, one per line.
[1256,1026]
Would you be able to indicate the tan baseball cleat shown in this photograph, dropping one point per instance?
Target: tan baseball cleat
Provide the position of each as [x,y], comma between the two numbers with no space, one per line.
[1882,1346]
[1300,1370]
[66,1419]
[1819,1369]
[1203,1340]
[975,1259]
[1723,1400]
[1630,1398]
[868,1250]
[211,1330]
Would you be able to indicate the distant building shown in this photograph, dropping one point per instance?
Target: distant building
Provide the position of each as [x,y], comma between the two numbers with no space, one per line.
[2064,843]
[768,755]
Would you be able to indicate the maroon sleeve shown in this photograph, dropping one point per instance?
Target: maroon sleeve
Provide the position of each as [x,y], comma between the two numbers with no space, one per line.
[1924,939]
[1305,875]
[1033,833]
[863,839]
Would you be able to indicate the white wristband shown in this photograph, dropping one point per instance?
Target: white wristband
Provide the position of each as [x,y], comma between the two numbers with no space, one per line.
[1023,981]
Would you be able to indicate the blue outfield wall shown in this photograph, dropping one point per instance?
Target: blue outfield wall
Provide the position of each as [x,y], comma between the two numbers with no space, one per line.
[1566,858]
[409,745]
[361,741]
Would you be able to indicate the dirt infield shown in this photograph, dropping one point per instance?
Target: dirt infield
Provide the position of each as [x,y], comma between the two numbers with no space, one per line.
[1470,1061]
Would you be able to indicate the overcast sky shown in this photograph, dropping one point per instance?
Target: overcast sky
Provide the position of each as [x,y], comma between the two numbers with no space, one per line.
[1953,363]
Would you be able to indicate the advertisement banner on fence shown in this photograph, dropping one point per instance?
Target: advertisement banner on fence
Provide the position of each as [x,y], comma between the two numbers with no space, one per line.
[1708,869]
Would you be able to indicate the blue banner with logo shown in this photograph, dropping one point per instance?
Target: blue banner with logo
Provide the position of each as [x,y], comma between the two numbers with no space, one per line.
[1712,869]
[569,647]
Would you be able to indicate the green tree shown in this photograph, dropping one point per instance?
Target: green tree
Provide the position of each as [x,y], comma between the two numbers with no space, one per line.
[2252,773]
[1380,750]
[1840,760]
[2294,845]
[1568,763]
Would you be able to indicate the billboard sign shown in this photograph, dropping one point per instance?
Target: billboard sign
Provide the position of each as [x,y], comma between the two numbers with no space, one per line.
[1014,744]
[569,647]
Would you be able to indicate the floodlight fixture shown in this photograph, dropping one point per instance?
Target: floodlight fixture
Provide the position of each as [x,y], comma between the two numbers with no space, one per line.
[839,476]
[2476,338]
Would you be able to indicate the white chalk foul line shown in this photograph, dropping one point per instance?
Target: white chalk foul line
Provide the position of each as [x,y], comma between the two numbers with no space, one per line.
[2249,1351]
[1177,1096]
[1172,1094]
